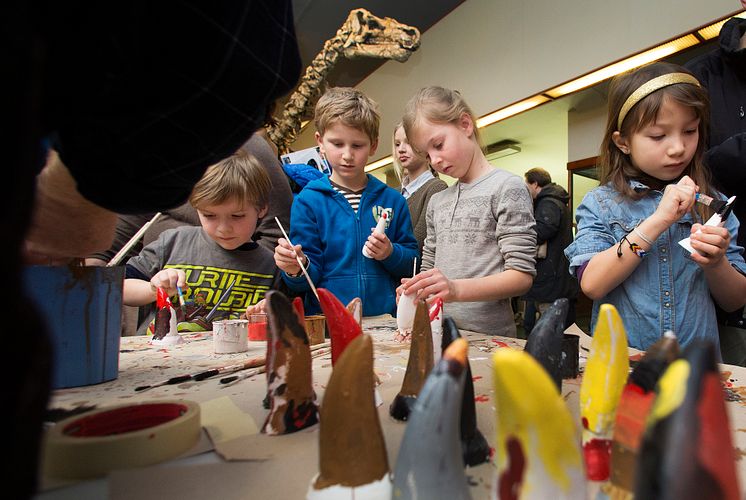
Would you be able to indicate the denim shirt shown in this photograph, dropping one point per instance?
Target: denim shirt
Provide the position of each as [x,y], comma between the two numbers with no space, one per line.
[667,291]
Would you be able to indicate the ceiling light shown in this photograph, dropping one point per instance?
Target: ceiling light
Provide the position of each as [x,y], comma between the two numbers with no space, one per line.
[511,110]
[627,64]
[379,163]
[713,30]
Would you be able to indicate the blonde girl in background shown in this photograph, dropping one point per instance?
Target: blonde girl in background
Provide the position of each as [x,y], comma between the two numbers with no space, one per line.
[626,249]
[480,245]
[418,179]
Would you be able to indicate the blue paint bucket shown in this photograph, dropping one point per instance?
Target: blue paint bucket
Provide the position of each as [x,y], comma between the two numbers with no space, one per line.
[82,307]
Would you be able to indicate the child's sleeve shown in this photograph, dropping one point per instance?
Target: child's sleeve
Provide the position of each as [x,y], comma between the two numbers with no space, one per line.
[515,227]
[428,249]
[734,254]
[151,258]
[403,242]
[304,231]
[593,234]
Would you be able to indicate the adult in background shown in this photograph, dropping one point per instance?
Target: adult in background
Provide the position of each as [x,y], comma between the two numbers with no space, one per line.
[553,235]
[138,98]
[723,73]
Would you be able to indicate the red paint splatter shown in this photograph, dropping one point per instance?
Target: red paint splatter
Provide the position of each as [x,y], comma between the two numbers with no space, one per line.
[584,421]
[478,377]
[500,343]
[510,481]
[636,357]
[492,452]
[597,454]
[482,398]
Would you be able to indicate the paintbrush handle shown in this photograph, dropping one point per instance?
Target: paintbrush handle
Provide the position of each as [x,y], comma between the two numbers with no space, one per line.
[128,246]
[171,381]
[220,301]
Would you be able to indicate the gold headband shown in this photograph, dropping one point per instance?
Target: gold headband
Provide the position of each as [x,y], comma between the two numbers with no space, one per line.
[651,86]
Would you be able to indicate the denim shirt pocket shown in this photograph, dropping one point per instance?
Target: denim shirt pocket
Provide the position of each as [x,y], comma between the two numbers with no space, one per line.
[622,227]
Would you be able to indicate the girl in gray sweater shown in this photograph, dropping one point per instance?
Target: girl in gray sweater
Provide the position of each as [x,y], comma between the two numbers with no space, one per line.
[481,240]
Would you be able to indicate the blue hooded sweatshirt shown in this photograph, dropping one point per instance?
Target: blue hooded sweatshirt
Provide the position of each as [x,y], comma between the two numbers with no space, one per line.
[333,235]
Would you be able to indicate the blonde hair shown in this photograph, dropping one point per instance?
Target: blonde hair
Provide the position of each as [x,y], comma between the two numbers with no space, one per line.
[437,105]
[349,107]
[239,177]
[616,167]
[398,168]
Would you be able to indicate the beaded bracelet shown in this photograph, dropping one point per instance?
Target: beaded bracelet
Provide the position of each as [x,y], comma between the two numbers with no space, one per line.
[637,249]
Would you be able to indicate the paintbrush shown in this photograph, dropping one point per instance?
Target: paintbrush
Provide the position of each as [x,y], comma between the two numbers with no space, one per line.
[716,205]
[316,352]
[182,302]
[251,363]
[305,273]
[126,248]
[234,379]
[220,301]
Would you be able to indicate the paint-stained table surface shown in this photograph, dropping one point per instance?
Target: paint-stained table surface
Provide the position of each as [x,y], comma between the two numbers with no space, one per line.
[281,467]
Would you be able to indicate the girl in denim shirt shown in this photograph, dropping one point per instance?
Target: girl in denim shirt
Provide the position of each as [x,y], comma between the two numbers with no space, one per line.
[626,252]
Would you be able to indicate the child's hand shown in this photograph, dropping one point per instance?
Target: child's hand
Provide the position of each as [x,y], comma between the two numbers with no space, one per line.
[710,242]
[677,200]
[169,279]
[285,257]
[258,308]
[379,246]
[400,288]
[431,284]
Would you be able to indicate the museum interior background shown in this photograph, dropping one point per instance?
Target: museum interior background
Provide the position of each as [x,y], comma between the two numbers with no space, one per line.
[500,53]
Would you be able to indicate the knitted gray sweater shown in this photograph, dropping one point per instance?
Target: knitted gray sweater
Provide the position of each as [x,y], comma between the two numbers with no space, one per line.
[480,229]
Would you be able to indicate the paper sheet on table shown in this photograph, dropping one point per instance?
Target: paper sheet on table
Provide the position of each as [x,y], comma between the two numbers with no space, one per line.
[228,428]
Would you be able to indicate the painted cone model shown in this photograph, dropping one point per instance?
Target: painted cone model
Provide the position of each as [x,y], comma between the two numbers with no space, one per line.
[545,341]
[291,395]
[343,328]
[474,446]
[352,453]
[406,310]
[419,365]
[436,327]
[605,376]
[537,452]
[355,307]
[632,412]
[165,326]
[429,464]
[687,451]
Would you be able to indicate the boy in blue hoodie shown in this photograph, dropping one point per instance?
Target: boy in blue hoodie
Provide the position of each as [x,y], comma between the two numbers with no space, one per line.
[333,217]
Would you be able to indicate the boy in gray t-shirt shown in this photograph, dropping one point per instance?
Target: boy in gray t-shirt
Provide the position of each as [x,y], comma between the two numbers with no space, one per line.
[203,261]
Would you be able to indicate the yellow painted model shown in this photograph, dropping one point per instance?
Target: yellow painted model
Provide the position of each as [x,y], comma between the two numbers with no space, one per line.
[606,373]
[537,448]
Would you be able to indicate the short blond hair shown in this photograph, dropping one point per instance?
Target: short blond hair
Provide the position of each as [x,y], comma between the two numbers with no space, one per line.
[349,107]
[239,177]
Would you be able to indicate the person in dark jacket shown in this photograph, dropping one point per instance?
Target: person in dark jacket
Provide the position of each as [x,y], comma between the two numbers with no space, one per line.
[723,73]
[553,235]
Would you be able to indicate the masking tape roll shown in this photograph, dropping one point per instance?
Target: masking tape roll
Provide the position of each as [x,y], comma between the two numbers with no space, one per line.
[120,437]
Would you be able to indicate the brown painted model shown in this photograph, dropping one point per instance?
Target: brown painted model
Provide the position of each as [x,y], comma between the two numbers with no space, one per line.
[419,365]
[291,394]
[352,451]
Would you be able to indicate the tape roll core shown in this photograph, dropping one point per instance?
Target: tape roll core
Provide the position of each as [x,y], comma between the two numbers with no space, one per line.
[122,437]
